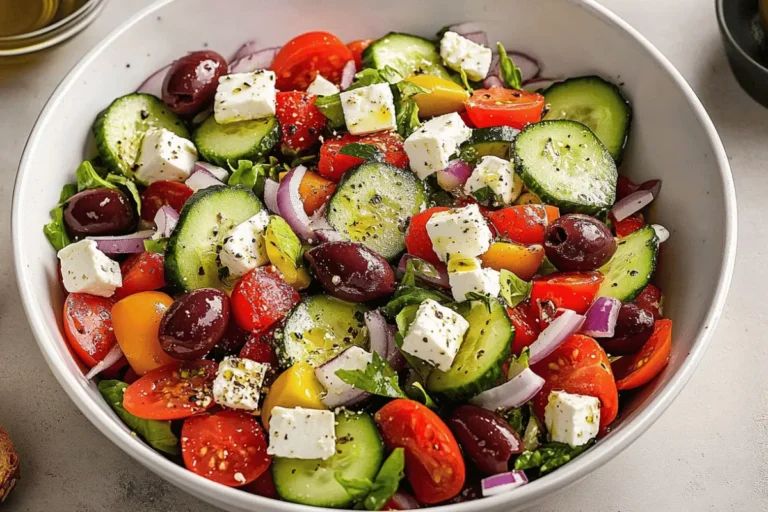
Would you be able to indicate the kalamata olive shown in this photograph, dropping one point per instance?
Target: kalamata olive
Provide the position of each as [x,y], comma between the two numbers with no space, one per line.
[487,439]
[633,328]
[351,271]
[99,212]
[194,323]
[231,342]
[190,84]
[578,242]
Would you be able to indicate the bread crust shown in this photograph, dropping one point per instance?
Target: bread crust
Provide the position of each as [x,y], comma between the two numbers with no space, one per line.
[9,465]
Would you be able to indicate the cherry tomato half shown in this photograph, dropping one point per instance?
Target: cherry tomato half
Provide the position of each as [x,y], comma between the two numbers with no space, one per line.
[259,347]
[263,486]
[633,372]
[88,326]
[524,224]
[301,121]
[629,225]
[143,272]
[526,325]
[261,298]
[303,57]
[172,392]
[569,290]
[504,107]
[333,165]
[161,193]
[228,447]
[357,48]
[417,241]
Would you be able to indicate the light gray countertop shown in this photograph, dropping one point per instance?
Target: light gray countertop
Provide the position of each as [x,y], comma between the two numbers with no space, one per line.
[708,452]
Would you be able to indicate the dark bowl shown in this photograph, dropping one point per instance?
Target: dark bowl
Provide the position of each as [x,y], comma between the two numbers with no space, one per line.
[746,45]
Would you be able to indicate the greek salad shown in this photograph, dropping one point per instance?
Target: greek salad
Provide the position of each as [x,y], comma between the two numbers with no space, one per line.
[387,274]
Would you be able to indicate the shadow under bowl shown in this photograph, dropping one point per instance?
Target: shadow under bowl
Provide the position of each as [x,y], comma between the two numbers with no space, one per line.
[746,45]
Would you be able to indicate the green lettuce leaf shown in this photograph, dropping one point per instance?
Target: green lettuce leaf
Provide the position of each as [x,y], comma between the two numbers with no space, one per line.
[368,495]
[285,239]
[55,232]
[414,388]
[549,456]
[518,363]
[67,191]
[513,289]
[157,246]
[130,185]
[88,178]
[378,378]
[330,107]
[367,152]
[547,267]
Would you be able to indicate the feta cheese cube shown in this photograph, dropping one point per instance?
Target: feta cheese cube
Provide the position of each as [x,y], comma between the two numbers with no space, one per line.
[245,96]
[572,419]
[322,87]
[164,156]
[238,383]
[461,231]
[435,335]
[459,53]
[473,278]
[244,247]
[85,269]
[495,173]
[369,109]
[300,433]
[431,146]
[353,358]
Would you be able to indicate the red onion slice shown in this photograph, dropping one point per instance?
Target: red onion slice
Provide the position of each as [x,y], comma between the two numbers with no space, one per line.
[405,501]
[270,195]
[122,244]
[350,395]
[455,174]
[111,358]
[529,67]
[348,75]
[377,332]
[440,279]
[478,37]
[561,328]
[217,172]
[201,179]
[503,482]
[154,83]
[631,204]
[661,232]
[600,320]
[166,219]
[248,48]
[321,228]
[290,206]
[492,82]
[394,356]
[513,393]
[470,30]
[540,83]
[260,59]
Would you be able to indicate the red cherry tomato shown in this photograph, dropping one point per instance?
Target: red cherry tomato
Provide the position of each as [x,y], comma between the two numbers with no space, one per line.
[143,272]
[333,165]
[261,298]
[578,366]
[569,290]
[417,241]
[526,325]
[629,225]
[433,461]
[300,120]
[303,57]
[263,486]
[651,299]
[259,347]
[88,326]
[161,193]
[228,447]
[172,392]
[633,372]
[504,107]
[357,48]
[524,224]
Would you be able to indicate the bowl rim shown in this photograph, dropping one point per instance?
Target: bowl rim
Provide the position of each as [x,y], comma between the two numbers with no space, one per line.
[725,29]
[212,492]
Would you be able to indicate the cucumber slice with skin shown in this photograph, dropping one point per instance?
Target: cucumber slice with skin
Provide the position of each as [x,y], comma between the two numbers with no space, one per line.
[597,103]
[359,455]
[632,265]
[566,165]
[495,141]
[373,205]
[408,55]
[121,126]
[319,328]
[478,365]
[222,144]
[191,258]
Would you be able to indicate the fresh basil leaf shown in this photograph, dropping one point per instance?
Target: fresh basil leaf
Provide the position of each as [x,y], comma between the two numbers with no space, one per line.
[516,419]
[251,175]
[484,195]
[285,239]
[55,231]
[510,74]
[357,488]
[411,295]
[485,299]
[407,117]
[88,178]
[378,378]
[410,89]
[391,75]
[386,483]
[157,433]
[518,363]
[513,289]
[157,245]
[414,388]
[330,107]
[465,81]
[404,320]
[67,191]
[549,456]
[469,154]
[547,267]
[130,185]
[533,430]
[416,268]
[367,152]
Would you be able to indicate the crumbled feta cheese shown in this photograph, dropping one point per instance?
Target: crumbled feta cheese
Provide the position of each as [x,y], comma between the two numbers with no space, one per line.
[164,156]
[300,433]
[85,269]
[353,358]
[238,383]
[245,96]
[431,146]
[471,277]
[369,109]
[572,419]
[244,247]
[435,335]
[459,53]
[461,231]
[495,173]
[322,87]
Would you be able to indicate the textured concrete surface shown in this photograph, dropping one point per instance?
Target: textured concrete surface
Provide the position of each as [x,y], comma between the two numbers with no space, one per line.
[708,452]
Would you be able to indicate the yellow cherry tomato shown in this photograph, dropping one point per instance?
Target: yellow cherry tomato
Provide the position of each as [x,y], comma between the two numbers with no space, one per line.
[295,387]
[444,96]
[136,321]
[520,260]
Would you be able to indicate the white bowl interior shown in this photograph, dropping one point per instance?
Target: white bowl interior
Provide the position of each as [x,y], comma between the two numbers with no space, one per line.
[672,138]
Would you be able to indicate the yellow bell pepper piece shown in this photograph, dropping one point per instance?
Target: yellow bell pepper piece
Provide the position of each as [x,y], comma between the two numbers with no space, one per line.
[282,246]
[520,260]
[295,387]
[444,96]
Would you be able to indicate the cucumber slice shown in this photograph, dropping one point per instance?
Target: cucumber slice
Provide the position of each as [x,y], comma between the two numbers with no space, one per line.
[632,265]
[221,144]
[359,455]
[318,329]
[373,205]
[408,55]
[564,164]
[596,103]
[121,126]
[478,364]
[494,141]
[191,258]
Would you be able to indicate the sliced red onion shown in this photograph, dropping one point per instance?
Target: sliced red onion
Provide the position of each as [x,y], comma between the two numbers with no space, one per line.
[455,174]
[322,229]
[562,327]
[529,67]
[540,83]
[492,82]
[122,244]
[405,501]
[653,186]
[513,393]
[600,320]
[394,356]
[470,30]
[631,204]
[270,195]
[217,172]
[662,233]
[260,59]
[377,332]
[166,219]
[154,83]
[289,203]
[478,37]
[350,396]
[348,75]
[248,48]
[503,482]
[440,279]
[111,358]
[201,179]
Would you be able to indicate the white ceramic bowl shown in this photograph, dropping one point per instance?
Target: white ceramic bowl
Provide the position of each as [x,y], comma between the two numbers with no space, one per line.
[672,138]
